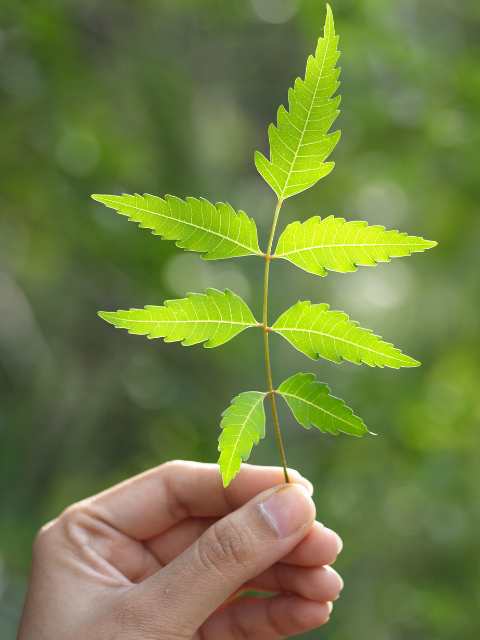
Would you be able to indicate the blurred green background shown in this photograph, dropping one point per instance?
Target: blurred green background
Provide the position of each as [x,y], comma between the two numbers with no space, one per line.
[174,96]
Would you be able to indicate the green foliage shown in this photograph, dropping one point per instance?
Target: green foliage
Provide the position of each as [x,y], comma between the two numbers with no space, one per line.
[300,144]
[215,317]
[197,225]
[331,243]
[316,331]
[243,424]
[312,404]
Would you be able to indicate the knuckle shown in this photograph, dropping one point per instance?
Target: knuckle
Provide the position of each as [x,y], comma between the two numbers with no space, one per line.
[41,539]
[69,518]
[74,526]
[179,466]
[46,537]
[226,545]
[173,463]
[70,514]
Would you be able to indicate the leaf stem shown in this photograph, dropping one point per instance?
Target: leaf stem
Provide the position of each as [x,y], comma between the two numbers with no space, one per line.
[271,392]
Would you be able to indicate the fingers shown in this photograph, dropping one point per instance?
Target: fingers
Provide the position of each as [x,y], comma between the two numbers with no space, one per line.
[152,502]
[320,547]
[321,584]
[234,550]
[266,618]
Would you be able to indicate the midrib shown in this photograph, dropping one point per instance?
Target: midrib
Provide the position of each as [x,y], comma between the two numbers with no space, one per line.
[290,395]
[306,122]
[192,224]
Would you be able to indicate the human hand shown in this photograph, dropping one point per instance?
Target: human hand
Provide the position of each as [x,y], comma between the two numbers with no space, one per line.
[157,556]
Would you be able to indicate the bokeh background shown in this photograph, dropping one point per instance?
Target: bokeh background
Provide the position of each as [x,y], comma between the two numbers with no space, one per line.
[174,96]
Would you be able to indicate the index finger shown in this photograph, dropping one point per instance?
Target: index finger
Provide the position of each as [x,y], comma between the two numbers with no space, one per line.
[148,504]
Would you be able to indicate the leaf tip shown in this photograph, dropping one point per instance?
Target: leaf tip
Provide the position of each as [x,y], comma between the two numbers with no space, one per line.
[109,316]
[114,202]
[410,362]
[329,19]
[225,479]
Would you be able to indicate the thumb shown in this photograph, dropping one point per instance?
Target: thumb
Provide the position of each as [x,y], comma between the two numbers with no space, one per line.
[180,597]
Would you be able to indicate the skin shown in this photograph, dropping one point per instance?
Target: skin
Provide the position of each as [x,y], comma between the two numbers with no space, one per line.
[163,556]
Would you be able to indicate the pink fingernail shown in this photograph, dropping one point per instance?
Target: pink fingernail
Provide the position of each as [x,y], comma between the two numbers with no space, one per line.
[339,578]
[287,509]
[339,543]
[310,487]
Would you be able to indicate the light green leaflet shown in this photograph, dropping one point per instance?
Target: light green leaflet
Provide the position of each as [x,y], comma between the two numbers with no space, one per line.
[197,225]
[215,317]
[318,245]
[312,404]
[300,144]
[243,424]
[316,331]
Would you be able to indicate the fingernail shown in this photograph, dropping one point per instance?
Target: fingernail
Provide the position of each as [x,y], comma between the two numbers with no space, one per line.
[330,606]
[337,576]
[339,543]
[309,487]
[338,540]
[293,478]
[287,509]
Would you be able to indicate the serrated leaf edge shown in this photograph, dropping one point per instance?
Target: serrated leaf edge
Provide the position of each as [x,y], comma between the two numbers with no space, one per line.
[428,244]
[307,303]
[101,198]
[232,403]
[109,316]
[312,378]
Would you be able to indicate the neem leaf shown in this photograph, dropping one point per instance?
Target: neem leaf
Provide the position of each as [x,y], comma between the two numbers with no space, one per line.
[215,317]
[243,424]
[312,404]
[318,245]
[300,144]
[197,225]
[316,331]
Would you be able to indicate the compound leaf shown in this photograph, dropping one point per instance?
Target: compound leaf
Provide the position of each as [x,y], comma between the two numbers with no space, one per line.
[197,225]
[312,404]
[316,331]
[215,317]
[243,425]
[332,243]
[300,144]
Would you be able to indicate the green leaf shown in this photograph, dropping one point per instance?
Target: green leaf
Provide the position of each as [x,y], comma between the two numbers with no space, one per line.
[332,243]
[243,424]
[316,331]
[312,404]
[299,144]
[197,225]
[215,317]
